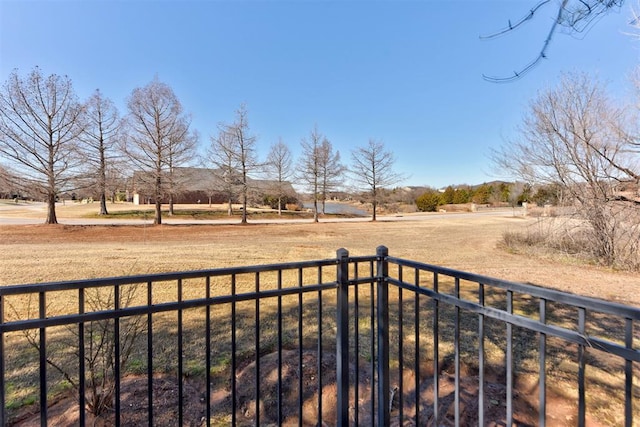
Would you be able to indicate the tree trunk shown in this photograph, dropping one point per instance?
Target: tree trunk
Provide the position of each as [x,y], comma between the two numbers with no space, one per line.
[103,204]
[51,209]
[103,180]
[315,209]
[244,207]
[230,208]
[157,219]
[279,205]
[170,205]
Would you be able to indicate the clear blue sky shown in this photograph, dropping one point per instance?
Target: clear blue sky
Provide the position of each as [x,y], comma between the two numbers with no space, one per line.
[408,73]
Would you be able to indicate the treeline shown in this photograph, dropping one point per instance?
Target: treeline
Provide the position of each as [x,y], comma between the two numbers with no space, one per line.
[53,144]
[494,193]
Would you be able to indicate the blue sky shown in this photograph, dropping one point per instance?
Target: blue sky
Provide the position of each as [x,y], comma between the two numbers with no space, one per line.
[408,73]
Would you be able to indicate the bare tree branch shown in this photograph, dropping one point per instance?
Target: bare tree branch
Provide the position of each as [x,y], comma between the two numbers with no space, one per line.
[100,136]
[279,168]
[309,170]
[575,15]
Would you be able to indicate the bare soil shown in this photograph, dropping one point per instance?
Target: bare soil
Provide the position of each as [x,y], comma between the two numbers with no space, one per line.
[134,411]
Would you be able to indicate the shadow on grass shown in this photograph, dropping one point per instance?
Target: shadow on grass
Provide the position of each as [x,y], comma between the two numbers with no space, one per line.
[272,360]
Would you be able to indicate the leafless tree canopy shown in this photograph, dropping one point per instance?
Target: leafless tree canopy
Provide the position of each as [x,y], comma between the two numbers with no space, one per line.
[576,16]
[100,137]
[222,155]
[279,167]
[575,137]
[156,131]
[40,121]
[238,153]
[331,169]
[181,149]
[372,168]
[309,170]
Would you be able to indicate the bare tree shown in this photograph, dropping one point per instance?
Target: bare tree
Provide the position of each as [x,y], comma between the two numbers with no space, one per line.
[372,167]
[330,170]
[40,121]
[310,167]
[100,137]
[279,168]
[222,154]
[154,119]
[116,180]
[574,137]
[181,149]
[243,150]
[575,16]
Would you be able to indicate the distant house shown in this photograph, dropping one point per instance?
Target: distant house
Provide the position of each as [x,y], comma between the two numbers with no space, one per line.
[202,185]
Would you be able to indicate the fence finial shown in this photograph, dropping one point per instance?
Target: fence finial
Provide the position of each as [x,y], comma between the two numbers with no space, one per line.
[382,251]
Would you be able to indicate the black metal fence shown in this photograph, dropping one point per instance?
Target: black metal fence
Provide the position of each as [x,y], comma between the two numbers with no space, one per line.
[367,340]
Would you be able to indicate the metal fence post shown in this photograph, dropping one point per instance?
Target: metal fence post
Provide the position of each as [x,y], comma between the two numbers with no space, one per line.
[2,368]
[383,335]
[342,346]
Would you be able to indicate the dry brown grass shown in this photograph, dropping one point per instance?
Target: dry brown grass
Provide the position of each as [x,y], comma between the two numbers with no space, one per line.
[51,253]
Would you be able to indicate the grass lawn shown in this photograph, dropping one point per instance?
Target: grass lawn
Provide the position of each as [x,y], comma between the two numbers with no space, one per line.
[33,254]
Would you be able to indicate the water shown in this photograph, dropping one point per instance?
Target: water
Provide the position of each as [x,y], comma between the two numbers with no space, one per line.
[337,208]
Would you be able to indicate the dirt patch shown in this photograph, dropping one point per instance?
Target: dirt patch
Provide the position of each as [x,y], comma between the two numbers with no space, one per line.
[134,405]
[286,380]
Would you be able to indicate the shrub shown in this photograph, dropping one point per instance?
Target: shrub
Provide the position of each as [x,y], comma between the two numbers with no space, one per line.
[428,202]
[272,201]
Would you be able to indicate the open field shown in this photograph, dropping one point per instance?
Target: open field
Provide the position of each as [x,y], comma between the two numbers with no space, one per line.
[465,242]
[35,253]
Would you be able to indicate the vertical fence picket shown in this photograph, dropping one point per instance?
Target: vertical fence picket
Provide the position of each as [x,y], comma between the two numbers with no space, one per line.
[258,379]
[300,348]
[356,345]
[628,375]
[81,362]
[150,353]
[400,391]
[436,353]
[542,371]
[481,357]
[372,338]
[207,345]
[234,351]
[319,351]
[509,361]
[3,397]
[116,336]
[416,362]
[180,359]
[582,405]
[456,351]
[279,325]
[43,360]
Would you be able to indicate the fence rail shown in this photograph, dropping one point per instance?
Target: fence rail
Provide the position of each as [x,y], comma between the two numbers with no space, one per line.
[367,340]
